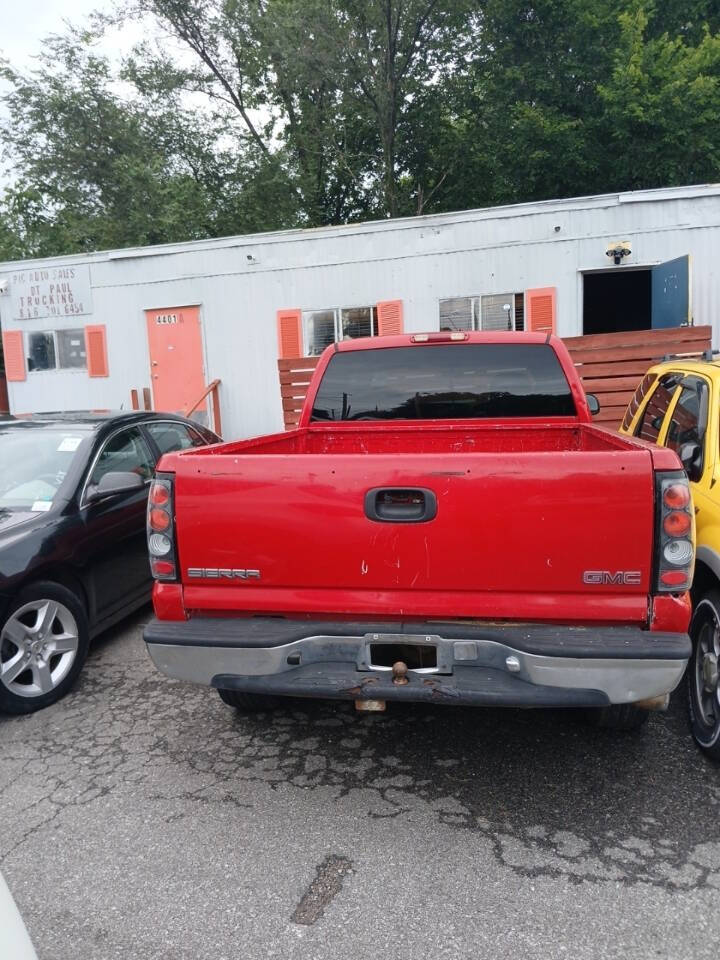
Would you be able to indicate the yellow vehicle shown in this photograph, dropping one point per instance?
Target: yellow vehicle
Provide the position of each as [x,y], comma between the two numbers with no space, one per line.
[677,405]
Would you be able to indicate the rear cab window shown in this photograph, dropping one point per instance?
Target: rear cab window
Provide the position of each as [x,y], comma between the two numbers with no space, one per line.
[444,382]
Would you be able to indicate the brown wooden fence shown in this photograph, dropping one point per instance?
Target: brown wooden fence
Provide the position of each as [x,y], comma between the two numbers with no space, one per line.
[610,365]
[294,379]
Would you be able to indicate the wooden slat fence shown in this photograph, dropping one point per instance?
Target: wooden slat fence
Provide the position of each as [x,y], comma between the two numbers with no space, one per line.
[611,365]
[294,380]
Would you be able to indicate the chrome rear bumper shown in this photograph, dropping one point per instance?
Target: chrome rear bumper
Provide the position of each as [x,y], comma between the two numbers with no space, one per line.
[498,664]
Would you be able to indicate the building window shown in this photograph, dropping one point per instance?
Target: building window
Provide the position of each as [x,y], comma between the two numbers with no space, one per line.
[501,311]
[323,327]
[358,322]
[458,313]
[57,349]
[71,349]
[41,351]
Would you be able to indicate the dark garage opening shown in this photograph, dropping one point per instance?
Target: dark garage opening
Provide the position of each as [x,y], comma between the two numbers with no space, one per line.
[615,301]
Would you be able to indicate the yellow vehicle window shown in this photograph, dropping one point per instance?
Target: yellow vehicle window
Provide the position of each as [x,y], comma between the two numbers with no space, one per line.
[688,423]
[650,423]
[645,384]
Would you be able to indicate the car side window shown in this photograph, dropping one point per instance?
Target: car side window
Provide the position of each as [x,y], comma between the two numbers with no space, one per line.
[688,423]
[643,389]
[171,436]
[125,452]
[650,423]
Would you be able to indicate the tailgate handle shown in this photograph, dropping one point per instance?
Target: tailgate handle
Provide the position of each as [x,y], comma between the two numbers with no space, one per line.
[400,505]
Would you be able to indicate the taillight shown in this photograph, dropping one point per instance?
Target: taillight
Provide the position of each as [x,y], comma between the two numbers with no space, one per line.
[674,535]
[159,495]
[158,519]
[676,496]
[677,523]
[161,528]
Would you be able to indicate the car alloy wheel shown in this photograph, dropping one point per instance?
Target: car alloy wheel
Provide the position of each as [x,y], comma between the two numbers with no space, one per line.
[38,646]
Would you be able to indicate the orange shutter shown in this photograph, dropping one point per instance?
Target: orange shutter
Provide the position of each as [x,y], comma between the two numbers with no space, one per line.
[96,349]
[540,309]
[14,355]
[290,339]
[390,317]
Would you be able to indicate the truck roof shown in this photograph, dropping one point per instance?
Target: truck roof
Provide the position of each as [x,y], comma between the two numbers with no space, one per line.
[444,336]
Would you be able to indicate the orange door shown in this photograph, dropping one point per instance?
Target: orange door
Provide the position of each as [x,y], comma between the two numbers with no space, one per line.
[176,358]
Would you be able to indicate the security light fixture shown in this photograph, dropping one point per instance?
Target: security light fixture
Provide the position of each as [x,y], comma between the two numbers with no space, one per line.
[618,250]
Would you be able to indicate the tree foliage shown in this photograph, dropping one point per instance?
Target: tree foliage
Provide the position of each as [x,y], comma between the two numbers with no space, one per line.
[244,115]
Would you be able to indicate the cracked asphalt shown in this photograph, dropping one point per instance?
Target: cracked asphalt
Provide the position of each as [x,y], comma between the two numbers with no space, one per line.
[142,818]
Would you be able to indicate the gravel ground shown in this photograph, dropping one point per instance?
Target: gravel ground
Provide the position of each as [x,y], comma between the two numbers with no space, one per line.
[143,819]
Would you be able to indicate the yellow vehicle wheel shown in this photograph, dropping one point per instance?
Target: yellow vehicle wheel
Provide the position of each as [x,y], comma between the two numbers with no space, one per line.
[703,677]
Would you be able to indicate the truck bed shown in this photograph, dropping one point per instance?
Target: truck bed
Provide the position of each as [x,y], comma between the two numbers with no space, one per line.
[483,437]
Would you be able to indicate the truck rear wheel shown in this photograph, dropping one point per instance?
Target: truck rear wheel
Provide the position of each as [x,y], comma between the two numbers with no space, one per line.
[249,702]
[618,716]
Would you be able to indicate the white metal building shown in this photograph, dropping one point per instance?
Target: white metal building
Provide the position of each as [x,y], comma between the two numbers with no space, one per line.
[84,331]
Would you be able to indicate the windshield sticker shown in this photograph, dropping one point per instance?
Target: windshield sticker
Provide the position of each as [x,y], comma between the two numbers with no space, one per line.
[41,506]
[69,444]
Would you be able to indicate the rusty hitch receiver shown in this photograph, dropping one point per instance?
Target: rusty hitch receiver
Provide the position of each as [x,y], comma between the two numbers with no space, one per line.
[399,677]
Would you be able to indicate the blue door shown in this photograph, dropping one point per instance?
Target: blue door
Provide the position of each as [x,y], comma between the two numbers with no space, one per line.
[670,304]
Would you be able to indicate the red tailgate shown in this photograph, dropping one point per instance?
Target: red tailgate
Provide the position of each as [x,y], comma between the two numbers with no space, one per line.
[515,535]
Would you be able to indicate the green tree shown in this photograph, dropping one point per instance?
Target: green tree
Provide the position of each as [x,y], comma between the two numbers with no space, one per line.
[282,113]
[335,79]
[94,170]
[661,104]
[571,97]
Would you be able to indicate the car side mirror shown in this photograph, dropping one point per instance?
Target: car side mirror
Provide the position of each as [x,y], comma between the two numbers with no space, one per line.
[593,403]
[113,483]
[691,456]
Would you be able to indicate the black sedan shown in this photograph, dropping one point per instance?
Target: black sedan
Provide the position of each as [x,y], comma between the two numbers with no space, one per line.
[73,557]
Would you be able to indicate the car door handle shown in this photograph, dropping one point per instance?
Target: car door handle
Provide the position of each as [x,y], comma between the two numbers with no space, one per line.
[400,505]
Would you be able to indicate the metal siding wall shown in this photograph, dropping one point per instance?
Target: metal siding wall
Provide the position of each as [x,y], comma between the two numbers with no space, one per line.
[420,262]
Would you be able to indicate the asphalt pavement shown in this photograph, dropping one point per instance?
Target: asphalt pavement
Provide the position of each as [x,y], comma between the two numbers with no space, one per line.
[142,819]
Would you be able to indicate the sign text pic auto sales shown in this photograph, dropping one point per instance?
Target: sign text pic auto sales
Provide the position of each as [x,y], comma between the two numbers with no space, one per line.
[50,292]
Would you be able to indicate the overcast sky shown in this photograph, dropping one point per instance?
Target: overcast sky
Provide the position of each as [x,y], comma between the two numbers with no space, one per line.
[24,24]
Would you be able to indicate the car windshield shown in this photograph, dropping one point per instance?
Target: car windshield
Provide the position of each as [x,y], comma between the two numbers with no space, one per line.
[34,462]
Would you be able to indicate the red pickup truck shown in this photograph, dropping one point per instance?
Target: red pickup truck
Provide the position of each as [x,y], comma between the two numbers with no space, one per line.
[446,524]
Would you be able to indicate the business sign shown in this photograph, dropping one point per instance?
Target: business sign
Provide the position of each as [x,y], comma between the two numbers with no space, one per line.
[53,292]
